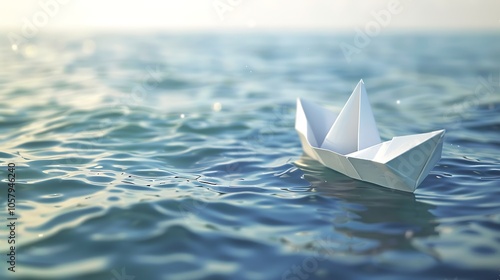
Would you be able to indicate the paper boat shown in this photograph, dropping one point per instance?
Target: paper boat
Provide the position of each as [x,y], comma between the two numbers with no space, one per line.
[350,144]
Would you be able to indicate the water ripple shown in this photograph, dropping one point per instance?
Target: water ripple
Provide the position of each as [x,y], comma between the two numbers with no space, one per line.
[201,176]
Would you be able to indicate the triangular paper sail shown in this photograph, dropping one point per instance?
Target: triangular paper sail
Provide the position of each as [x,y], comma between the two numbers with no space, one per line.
[355,128]
[350,144]
[317,130]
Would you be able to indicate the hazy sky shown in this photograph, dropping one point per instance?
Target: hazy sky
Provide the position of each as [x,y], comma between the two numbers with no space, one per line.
[248,14]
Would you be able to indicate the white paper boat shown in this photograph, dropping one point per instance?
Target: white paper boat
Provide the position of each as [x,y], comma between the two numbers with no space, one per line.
[350,144]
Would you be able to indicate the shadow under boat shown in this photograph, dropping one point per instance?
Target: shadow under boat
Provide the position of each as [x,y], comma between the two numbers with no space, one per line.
[388,218]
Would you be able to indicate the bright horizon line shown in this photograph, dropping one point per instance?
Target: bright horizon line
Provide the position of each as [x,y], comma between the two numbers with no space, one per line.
[260,15]
[132,29]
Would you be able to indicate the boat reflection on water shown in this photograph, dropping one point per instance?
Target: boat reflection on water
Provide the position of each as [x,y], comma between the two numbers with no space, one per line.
[375,219]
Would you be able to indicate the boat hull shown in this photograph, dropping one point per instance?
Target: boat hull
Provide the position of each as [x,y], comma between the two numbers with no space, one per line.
[403,172]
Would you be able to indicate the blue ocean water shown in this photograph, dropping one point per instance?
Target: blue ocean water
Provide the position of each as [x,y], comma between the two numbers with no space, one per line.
[174,156]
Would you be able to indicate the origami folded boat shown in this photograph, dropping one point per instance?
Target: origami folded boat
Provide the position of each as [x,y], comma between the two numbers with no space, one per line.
[350,144]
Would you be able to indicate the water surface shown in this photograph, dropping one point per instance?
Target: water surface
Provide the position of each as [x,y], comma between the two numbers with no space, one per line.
[173,156]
